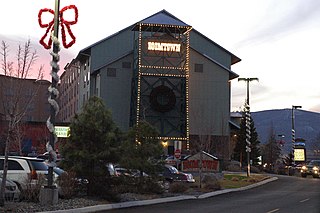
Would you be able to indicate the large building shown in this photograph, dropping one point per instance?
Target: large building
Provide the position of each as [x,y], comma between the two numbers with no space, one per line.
[27,101]
[163,71]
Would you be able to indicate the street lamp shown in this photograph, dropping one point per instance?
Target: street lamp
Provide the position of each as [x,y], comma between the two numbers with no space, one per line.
[248,122]
[293,130]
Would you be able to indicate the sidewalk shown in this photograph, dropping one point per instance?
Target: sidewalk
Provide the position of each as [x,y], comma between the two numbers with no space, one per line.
[159,200]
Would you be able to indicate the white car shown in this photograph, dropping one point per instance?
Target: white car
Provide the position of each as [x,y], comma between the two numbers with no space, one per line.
[24,169]
[12,192]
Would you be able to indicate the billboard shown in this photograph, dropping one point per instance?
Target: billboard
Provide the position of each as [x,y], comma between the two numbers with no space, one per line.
[299,154]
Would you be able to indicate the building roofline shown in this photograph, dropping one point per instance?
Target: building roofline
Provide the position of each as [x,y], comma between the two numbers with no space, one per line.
[232,75]
[114,60]
[234,58]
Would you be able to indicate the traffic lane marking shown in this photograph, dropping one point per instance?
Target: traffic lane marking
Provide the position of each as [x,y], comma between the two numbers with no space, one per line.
[274,210]
[302,201]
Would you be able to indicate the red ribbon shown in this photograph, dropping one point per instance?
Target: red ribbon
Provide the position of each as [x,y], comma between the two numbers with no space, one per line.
[63,23]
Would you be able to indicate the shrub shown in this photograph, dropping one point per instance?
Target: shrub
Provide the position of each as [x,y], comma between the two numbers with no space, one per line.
[213,186]
[31,190]
[233,168]
[178,187]
[105,188]
[68,184]
[235,178]
[254,169]
[210,181]
[149,185]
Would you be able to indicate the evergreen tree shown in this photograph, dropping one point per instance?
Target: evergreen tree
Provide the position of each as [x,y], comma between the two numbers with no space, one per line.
[240,153]
[93,142]
[145,153]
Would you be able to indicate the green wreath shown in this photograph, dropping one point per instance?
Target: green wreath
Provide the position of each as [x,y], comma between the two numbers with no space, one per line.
[162,99]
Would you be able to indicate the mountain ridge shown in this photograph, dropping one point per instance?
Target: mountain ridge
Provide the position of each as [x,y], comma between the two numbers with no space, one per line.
[279,122]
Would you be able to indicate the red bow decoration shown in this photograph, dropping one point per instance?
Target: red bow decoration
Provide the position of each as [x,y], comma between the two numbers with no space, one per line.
[63,23]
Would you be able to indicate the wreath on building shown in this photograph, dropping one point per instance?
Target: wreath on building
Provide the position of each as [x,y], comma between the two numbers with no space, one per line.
[162,99]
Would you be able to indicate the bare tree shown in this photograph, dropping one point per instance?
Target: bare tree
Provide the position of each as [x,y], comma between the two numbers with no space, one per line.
[16,98]
[203,141]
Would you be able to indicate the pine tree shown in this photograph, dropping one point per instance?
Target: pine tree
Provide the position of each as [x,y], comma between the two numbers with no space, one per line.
[142,150]
[240,153]
[94,141]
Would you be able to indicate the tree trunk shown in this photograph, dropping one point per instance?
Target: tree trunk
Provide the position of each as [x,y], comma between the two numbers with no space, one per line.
[5,165]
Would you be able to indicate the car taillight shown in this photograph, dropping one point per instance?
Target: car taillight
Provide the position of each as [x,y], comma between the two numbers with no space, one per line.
[34,175]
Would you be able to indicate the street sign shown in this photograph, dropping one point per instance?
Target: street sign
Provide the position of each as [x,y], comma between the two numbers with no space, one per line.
[177,153]
[62,131]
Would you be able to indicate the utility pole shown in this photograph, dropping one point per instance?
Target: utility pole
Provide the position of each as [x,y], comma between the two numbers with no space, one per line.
[248,121]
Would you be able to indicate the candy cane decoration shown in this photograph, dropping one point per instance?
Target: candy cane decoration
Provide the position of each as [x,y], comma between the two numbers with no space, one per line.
[52,28]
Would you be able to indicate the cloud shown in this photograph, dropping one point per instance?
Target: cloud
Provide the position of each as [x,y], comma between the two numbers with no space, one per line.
[44,57]
[281,18]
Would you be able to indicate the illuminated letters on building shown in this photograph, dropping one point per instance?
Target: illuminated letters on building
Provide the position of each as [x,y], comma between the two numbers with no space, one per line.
[168,47]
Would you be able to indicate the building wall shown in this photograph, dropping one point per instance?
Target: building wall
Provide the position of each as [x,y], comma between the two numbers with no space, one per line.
[69,92]
[31,96]
[113,85]
[84,82]
[209,97]
[211,49]
[111,49]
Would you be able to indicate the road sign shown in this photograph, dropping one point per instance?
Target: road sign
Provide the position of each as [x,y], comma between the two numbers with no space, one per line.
[177,153]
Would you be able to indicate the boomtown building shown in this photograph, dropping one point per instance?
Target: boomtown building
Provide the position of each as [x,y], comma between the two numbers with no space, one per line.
[163,71]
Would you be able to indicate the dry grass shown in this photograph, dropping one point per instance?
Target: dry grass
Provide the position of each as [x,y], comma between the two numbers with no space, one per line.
[231,181]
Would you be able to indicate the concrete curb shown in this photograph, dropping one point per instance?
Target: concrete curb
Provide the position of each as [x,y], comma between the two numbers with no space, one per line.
[159,200]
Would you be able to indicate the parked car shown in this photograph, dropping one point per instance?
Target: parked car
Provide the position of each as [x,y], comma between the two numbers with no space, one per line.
[129,172]
[12,192]
[20,169]
[312,168]
[171,173]
[45,156]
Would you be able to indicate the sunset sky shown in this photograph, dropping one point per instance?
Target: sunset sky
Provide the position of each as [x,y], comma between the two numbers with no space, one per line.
[278,41]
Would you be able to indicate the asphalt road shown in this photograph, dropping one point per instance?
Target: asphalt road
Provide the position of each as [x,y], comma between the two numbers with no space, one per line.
[285,195]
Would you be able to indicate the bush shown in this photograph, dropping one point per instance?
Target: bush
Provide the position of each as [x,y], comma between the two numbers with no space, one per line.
[31,190]
[211,182]
[105,188]
[213,186]
[149,185]
[254,169]
[233,168]
[68,184]
[178,187]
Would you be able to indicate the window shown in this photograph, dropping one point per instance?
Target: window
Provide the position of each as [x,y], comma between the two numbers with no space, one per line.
[198,67]
[14,165]
[126,65]
[111,72]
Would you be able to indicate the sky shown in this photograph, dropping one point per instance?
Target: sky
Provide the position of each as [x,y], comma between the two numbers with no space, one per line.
[278,42]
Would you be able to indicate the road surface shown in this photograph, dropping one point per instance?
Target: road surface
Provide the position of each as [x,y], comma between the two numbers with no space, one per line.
[286,195]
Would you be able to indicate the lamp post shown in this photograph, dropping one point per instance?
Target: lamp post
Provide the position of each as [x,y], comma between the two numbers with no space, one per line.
[293,131]
[248,122]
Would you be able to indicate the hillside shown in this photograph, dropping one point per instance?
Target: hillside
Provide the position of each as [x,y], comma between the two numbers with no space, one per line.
[307,126]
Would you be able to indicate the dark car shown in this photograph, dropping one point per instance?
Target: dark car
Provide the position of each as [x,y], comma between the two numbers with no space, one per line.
[311,168]
[171,173]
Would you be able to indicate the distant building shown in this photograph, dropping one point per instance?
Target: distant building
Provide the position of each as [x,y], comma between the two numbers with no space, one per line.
[69,92]
[162,71]
[30,96]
